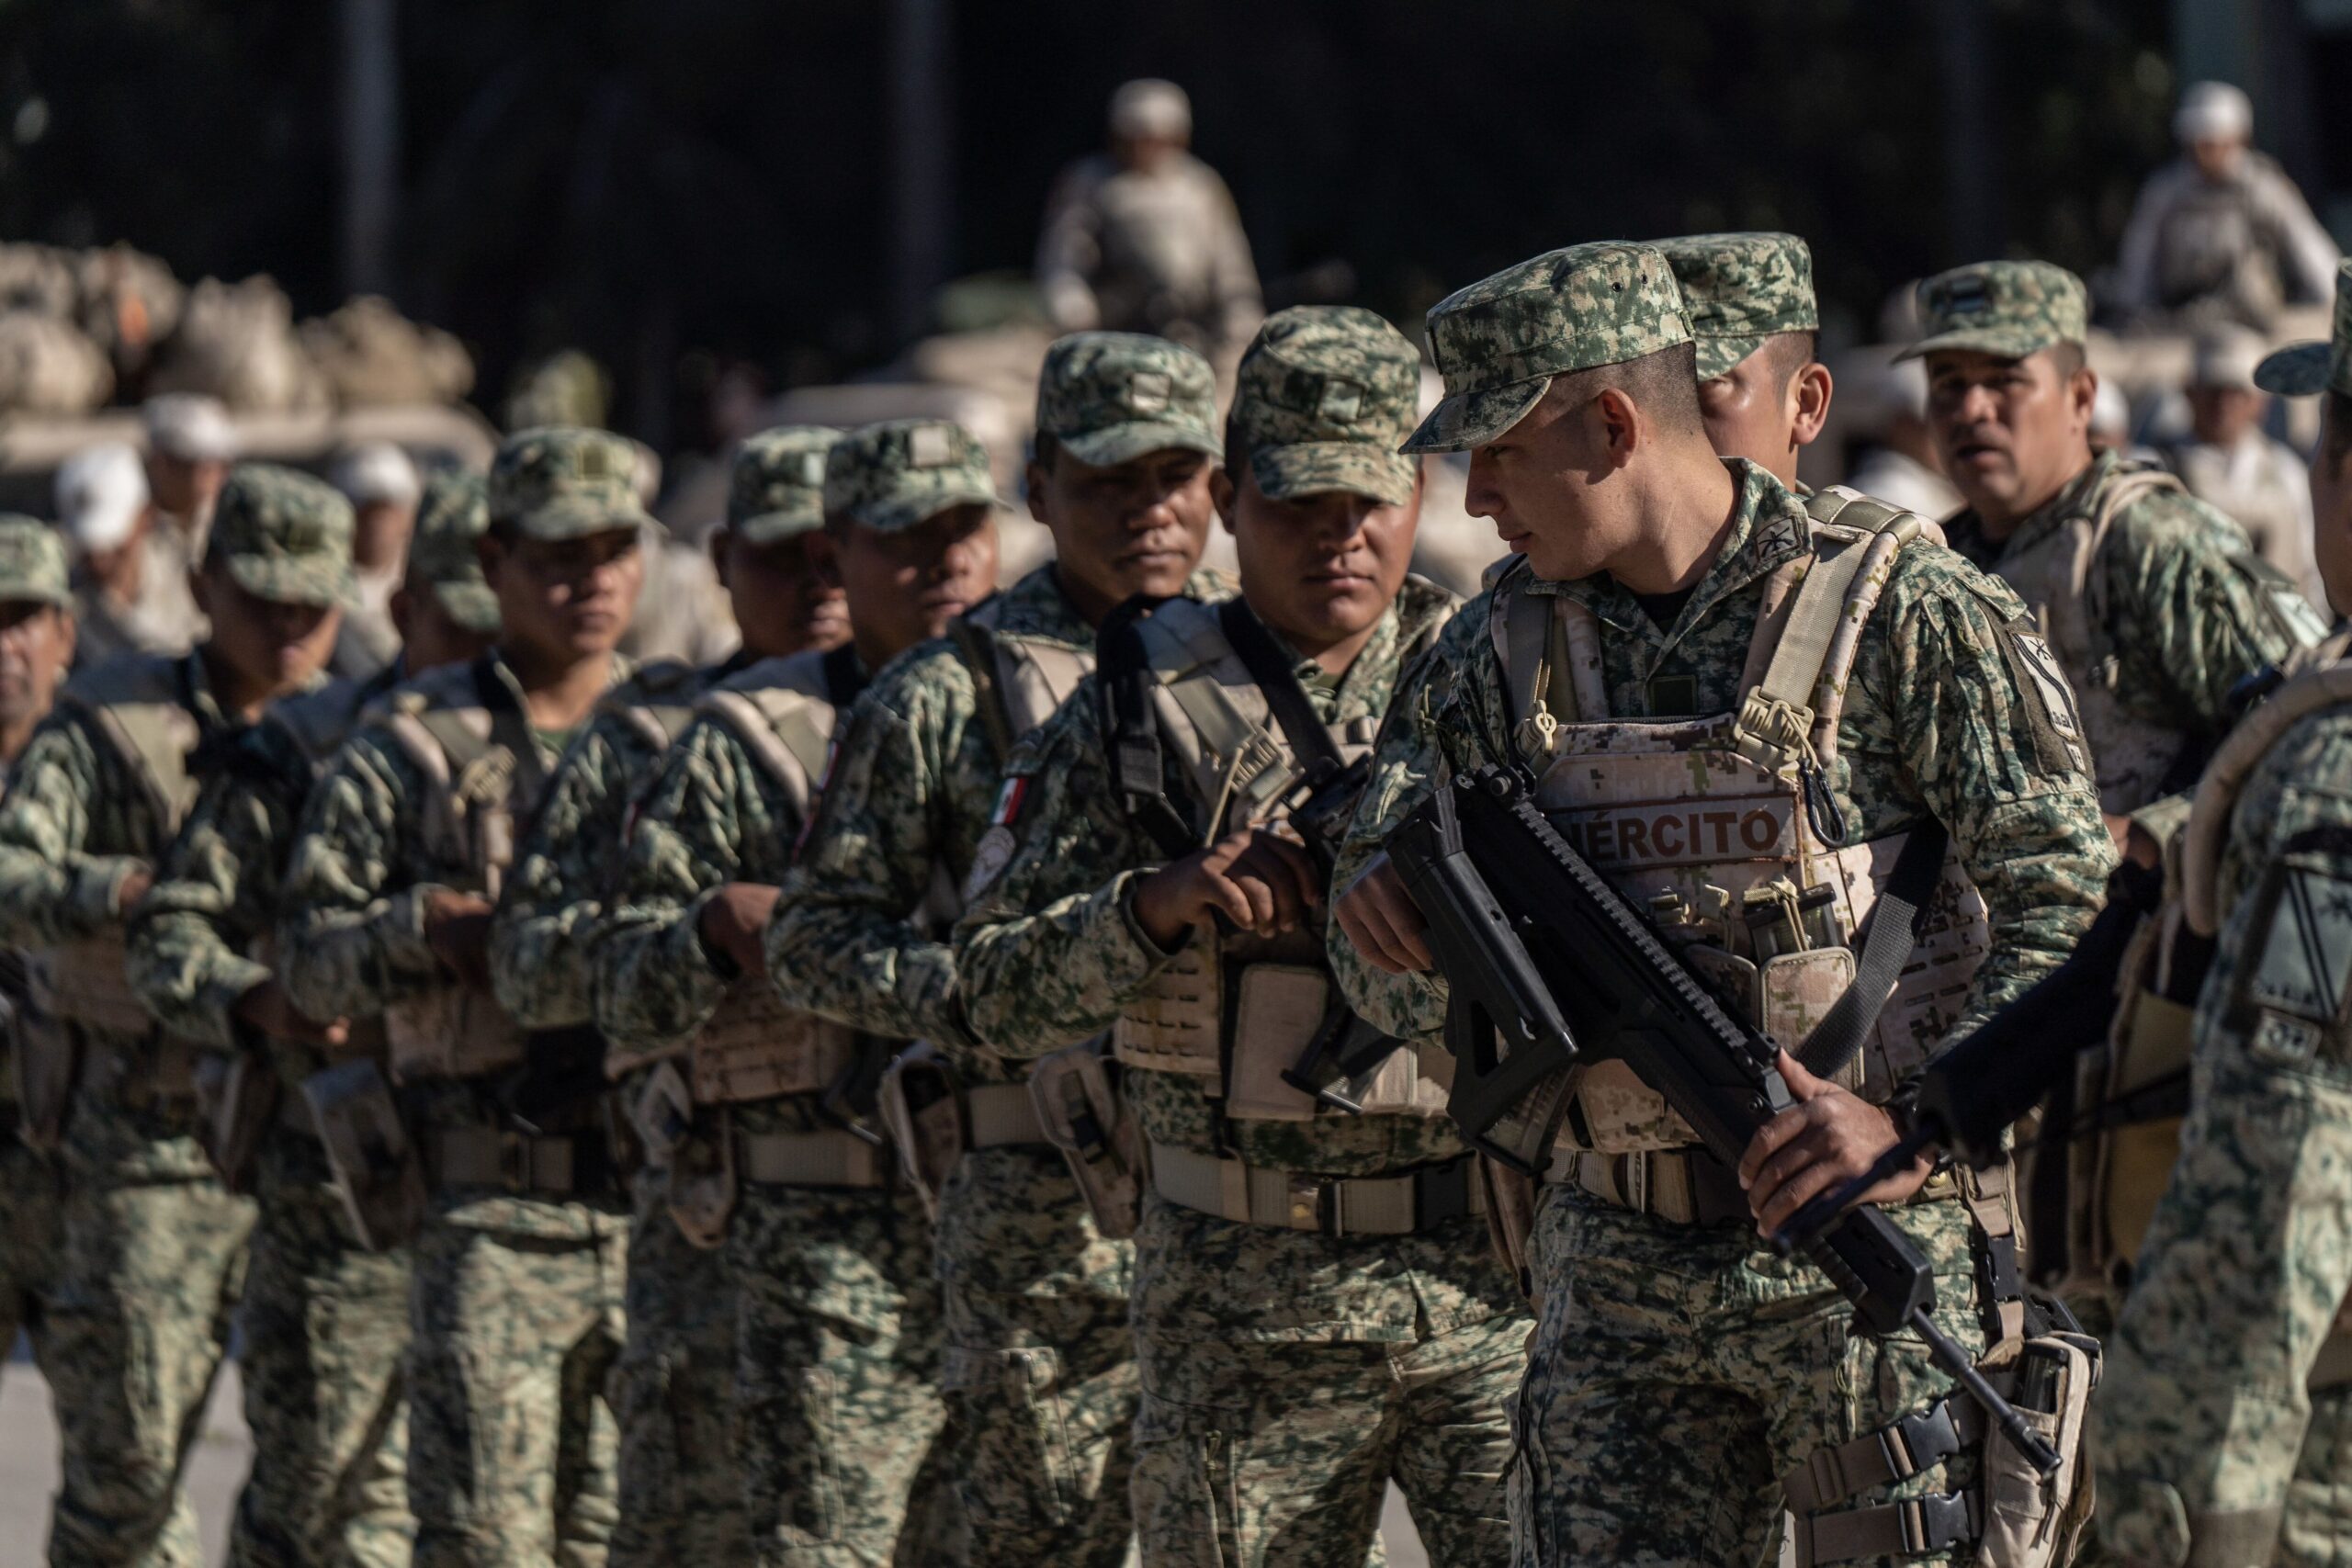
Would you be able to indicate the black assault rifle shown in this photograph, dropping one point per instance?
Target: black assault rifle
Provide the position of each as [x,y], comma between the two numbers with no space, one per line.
[1547,966]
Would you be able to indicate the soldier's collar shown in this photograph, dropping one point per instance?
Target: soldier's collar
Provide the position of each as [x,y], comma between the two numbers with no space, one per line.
[1768,528]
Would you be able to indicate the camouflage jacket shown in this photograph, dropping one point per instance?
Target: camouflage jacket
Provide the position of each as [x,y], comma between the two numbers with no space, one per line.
[2202,1409]
[1050,950]
[911,787]
[2187,614]
[1935,724]
[351,927]
[566,868]
[77,822]
[711,815]
[216,892]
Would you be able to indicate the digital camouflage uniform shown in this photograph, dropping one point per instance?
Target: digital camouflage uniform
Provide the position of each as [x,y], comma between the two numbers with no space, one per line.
[154,1248]
[834,1344]
[32,571]
[1039,1364]
[516,1299]
[2174,609]
[2222,1425]
[1678,1370]
[326,1319]
[1738,290]
[1290,1370]
[680,1486]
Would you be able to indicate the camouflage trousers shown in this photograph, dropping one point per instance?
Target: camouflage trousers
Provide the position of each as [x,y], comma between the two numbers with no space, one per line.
[837,1365]
[149,1276]
[1040,1368]
[2317,1532]
[1678,1372]
[325,1331]
[515,1332]
[32,1195]
[673,1397]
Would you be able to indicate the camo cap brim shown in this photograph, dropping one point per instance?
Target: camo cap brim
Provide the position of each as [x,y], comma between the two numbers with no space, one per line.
[287,580]
[2006,309]
[1320,467]
[1119,444]
[2303,370]
[776,488]
[1499,342]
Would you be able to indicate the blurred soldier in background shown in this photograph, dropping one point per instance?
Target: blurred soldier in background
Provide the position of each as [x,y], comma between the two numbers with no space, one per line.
[381,484]
[130,568]
[515,1305]
[2221,233]
[2230,463]
[154,1246]
[190,445]
[36,647]
[325,1316]
[1144,238]
[1747,300]
[1886,404]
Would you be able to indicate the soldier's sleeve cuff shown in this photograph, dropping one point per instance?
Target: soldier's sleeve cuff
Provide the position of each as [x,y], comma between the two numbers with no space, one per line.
[1121,898]
[2145,1519]
[714,959]
[94,895]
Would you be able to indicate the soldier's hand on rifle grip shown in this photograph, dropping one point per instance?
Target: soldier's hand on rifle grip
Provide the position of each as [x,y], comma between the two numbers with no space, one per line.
[135,886]
[268,1009]
[457,926]
[1382,919]
[1827,1138]
[1263,884]
[734,920]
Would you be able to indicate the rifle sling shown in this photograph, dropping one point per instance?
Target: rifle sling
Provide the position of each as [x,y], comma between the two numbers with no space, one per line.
[1895,925]
[1131,731]
[1294,711]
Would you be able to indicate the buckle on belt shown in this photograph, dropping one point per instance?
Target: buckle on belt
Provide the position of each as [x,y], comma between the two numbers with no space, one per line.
[1314,1205]
[1935,1521]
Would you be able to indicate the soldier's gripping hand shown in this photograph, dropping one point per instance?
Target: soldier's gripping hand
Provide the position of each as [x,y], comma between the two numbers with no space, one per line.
[134,886]
[1260,881]
[457,926]
[734,920]
[1826,1139]
[1383,922]
[267,1008]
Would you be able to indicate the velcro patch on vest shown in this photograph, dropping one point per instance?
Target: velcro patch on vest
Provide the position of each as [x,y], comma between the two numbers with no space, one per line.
[2304,946]
[1639,836]
[2056,722]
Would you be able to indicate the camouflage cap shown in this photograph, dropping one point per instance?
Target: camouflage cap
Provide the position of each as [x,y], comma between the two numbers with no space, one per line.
[777,486]
[1324,394]
[2302,369]
[283,537]
[902,472]
[32,563]
[1108,397]
[1738,290]
[444,555]
[2006,308]
[1498,343]
[565,482]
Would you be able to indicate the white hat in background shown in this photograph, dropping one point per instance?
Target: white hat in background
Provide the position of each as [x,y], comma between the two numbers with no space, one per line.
[1149,108]
[2213,111]
[101,490]
[2111,412]
[374,471]
[191,427]
[2226,356]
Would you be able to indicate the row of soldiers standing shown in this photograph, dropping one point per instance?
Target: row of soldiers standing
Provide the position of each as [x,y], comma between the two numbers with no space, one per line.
[551,995]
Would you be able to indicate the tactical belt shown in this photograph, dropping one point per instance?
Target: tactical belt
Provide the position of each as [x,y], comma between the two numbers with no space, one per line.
[1912,1528]
[1002,1114]
[569,1164]
[1352,1205]
[1682,1186]
[1887,1457]
[830,1157]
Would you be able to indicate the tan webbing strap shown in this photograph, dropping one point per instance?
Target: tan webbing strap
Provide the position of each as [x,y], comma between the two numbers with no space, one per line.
[157,756]
[977,645]
[1990,1195]
[830,1157]
[2217,791]
[1886,1457]
[1913,1527]
[443,829]
[787,736]
[1247,1194]
[1002,1114]
[1046,674]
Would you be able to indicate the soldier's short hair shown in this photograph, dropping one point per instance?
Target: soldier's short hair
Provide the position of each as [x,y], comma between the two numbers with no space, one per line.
[1663,384]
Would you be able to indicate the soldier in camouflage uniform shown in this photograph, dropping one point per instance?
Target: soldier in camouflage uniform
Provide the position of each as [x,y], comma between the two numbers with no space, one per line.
[679,1485]
[2223,1423]
[2155,603]
[1039,1369]
[518,1268]
[1348,1325]
[1680,1371]
[154,1248]
[835,1347]
[1749,301]
[36,649]
[326,1319]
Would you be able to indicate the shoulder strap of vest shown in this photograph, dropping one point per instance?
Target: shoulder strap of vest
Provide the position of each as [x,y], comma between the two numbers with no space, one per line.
[845,678]
[786,731]
[1302,726]
[2325,683]
[1123,683]
[977,645]
[656,701]
[144,709]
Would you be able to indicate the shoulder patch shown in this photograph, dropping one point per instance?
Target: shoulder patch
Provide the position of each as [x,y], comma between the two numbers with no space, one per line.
[989,857]
[2304,626]
[2050,712]
[2304,936]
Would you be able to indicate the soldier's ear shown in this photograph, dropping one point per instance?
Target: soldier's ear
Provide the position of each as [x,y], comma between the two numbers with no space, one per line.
[1223,494]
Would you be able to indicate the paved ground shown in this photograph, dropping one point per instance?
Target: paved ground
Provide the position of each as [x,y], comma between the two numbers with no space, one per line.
[28,1471]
